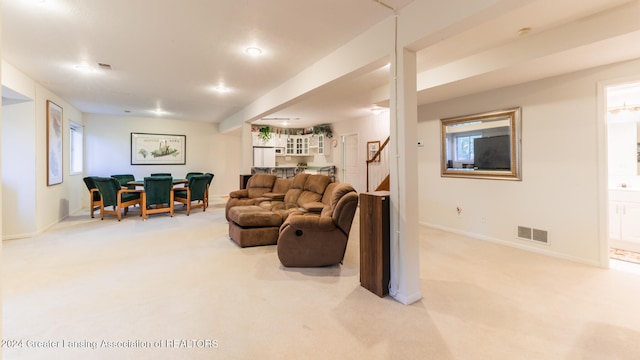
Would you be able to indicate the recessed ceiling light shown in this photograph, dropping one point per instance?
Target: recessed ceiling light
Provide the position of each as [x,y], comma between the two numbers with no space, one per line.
[377,109]
[159,112]
[84,68]
[221,89]
[253,51]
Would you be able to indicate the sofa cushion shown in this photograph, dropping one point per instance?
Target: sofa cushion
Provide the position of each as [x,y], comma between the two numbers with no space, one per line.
[254,216]
[326,197]
[281,186]
[259,184]
[337,192]
[317,183]
[236,194]
[313,207]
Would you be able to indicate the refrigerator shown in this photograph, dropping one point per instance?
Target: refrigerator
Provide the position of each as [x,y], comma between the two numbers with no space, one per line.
[264,157]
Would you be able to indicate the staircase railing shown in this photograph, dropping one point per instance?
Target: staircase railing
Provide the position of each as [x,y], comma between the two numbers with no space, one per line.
[378,167]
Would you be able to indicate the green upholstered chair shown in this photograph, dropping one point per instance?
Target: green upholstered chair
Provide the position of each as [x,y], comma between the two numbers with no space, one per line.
[190,174]
[160,174]
[123,179]
[158,195]
[94,194]
[116,196]
[196,190]
[208,185]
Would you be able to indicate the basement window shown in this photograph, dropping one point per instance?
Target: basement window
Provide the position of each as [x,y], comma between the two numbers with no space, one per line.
[75,145]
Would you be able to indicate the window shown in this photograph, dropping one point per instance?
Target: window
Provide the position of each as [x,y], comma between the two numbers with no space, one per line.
[75,141]
[464,147]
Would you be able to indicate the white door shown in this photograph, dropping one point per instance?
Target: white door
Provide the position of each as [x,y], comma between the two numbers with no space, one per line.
[350,173]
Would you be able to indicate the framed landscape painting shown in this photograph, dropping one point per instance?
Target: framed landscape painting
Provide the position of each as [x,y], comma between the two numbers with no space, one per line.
[54,143]
[158,149]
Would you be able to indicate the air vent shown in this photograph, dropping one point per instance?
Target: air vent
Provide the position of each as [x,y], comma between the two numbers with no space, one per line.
[104,66]
[524,232]
[532,234]
[540,235]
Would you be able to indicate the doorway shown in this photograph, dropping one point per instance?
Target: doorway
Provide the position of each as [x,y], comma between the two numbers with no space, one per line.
[622,116]
[350,173]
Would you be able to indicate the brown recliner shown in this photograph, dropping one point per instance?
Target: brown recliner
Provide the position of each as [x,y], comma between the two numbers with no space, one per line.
[308,240]
[259,224]
[257,186]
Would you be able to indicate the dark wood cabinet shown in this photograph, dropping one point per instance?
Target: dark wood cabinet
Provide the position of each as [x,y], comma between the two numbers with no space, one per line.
[374,242]
[243,181]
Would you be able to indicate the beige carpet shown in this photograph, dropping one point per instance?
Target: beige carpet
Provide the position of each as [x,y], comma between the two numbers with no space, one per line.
[178,288]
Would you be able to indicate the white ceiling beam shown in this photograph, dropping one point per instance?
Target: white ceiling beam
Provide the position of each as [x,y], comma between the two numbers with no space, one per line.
[422,21]
[576,42]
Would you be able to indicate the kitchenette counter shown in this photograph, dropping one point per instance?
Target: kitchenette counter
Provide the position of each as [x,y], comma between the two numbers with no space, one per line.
[291,171]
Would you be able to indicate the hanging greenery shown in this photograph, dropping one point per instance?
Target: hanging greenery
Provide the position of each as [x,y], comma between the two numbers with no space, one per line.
[323,129]
[264,133]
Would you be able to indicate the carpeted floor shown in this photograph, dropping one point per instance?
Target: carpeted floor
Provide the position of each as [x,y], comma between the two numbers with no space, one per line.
[178,288]
[624,255]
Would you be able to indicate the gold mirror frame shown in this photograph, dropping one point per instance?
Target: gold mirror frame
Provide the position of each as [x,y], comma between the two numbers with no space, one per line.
[490,125]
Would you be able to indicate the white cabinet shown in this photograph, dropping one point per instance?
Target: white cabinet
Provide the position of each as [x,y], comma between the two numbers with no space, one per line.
[624,222]
[313,141]
[302,145]
[297,145]
[257,141]
[291,146]
[624,219]
[615,214]
[324,148]
[281,141]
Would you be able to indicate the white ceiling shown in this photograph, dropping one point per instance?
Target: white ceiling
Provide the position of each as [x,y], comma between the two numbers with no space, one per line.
[169,56]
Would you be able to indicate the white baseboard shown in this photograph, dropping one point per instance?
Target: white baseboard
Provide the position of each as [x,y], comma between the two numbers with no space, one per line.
[407,299]
[516,245]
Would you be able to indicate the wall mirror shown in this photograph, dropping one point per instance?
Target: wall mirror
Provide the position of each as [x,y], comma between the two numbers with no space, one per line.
[483,145]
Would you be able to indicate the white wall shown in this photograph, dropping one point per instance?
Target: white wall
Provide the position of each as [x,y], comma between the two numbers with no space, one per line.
[19,169]
[559,191]
[371,128]
[18,153]
[56,202]
[24,160]
[108,149]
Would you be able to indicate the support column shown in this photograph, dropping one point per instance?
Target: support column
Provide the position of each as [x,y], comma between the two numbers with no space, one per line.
[247,149]
[405,262]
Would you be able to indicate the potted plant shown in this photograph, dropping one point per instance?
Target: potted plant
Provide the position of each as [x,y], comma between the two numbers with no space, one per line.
[323,129]
[264,133]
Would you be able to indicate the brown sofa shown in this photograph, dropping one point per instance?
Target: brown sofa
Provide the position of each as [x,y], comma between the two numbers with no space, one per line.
[311,239]
[257,185]
[255,215]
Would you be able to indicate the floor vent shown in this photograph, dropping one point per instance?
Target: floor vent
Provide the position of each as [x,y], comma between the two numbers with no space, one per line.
[540,235]
[524,232]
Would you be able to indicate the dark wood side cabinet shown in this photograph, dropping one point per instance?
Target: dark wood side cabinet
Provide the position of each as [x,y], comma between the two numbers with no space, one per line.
[243,181]
[374,242]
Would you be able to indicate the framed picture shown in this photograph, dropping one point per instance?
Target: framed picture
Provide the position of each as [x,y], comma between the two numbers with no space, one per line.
[54,143]
[158,149]
[372,149]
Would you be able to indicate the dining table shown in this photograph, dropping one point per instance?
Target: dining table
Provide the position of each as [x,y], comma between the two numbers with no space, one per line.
[176,181]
